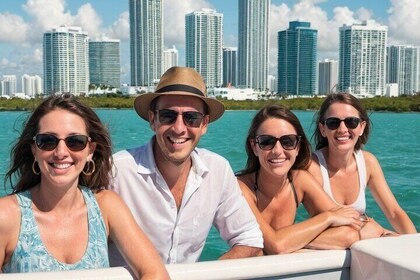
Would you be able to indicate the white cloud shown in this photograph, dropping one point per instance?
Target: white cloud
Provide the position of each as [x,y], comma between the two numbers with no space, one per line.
[89,20]
[404,21]
[120,29]
[174,19]
[12,28]
[46,14]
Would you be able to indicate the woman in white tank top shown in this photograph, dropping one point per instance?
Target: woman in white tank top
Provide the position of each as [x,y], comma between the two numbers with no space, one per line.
[343,169]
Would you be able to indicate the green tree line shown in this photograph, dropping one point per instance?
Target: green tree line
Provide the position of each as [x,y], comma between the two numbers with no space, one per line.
[117,101]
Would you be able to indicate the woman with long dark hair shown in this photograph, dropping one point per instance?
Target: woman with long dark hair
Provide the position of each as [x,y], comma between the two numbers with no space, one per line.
[59,216]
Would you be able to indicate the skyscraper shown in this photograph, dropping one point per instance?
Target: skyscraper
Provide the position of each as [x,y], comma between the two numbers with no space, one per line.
[230,66]
[204,39]
[170,58]
[104,62]
[253,43]
[327,76]
[362,58]
[66,63]
[8,85]
[31,85]
[146,41]
[403,68]
[297,59]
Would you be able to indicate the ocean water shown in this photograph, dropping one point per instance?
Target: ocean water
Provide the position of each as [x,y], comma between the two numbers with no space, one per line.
[394,140]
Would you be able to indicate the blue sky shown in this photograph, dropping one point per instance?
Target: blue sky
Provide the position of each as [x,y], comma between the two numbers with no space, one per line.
[22,23]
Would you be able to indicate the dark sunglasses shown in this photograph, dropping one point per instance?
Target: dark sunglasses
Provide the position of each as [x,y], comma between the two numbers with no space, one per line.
[334,123]
[48,142]
[190,118]
[267,142]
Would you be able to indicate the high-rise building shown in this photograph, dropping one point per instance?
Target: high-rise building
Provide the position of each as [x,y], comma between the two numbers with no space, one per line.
[362,58]
[230,66]
[8,85]
[66,62]
[272,83]
[403,68]
[104,62]
[204,40]
[297,59]
[253,43]
[327,76]
[146,41]
[170,58]
[31,85]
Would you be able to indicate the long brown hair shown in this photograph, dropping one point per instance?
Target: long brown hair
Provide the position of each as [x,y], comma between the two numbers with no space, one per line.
[22,157]
[278,112]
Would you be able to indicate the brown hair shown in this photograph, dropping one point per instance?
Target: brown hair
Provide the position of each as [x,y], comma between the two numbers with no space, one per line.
[22,157]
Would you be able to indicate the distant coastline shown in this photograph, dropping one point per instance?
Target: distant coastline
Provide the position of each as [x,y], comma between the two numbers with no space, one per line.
[116,101]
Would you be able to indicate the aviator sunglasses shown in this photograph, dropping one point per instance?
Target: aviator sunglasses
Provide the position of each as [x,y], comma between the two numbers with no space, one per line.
[267,142]
[350,122]
[190,118]
[48,142]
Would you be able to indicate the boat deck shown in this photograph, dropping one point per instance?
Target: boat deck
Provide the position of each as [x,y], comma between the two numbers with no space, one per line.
[381,258]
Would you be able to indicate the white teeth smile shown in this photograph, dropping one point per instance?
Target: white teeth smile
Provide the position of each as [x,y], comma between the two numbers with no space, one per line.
[343,138]
[177,141]
[277,160]
[61,165]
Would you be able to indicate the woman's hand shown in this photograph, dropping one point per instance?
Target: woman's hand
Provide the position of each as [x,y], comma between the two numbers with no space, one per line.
[345,215]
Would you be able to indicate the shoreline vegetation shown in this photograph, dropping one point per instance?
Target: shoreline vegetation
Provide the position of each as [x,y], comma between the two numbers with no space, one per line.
[407,103]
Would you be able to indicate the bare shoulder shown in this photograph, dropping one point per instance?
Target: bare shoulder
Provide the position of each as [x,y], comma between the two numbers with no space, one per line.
[303,179]
[246,182]
[107,197]
[370,158]
[9,213]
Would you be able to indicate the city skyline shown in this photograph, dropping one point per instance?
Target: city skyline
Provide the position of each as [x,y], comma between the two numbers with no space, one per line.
[23,22]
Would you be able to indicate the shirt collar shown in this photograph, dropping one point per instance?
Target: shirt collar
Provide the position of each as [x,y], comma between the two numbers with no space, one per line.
[147,164]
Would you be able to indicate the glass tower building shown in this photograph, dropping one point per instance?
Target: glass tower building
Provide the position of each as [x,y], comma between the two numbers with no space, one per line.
[66,63]
[253,43]
[297,59]
[403,68]
[362,59]
[104,62]
[203,44]
[146,41]
[230,66]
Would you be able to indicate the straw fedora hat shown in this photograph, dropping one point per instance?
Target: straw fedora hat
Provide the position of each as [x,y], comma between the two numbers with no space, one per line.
[179,81]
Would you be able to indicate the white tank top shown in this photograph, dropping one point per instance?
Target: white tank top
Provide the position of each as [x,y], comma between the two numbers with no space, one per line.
[360,203]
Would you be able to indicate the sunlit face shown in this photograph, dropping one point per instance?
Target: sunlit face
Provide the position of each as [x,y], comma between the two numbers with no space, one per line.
[61,167]
[176,141]
[342,138]
[278,161]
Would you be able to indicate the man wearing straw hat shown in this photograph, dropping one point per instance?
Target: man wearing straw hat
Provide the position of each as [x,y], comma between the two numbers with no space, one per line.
[175,190]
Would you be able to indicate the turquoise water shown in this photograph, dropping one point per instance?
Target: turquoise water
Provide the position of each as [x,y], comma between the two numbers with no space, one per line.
[394,141]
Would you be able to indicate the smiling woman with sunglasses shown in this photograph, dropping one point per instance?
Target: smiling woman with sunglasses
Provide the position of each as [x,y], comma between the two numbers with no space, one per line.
[275,182]
[59,216]
[343,168]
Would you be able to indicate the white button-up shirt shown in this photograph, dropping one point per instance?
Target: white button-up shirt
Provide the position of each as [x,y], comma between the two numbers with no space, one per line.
[211,197]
